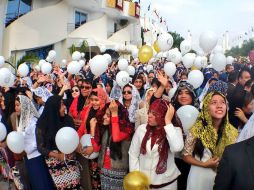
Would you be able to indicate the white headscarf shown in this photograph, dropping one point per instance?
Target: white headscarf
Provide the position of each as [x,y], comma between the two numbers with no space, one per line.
[28,111]
[43,93]
[248,130]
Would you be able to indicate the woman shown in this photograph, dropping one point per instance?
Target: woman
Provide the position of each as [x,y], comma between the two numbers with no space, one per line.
[139,83]
[206,142]
[40,96]
[52,119]
[37,170]
[71,95]
[112,133]
[98,98]
[153,146]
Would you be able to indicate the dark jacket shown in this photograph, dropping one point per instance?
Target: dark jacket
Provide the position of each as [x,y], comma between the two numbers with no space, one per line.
[236,168]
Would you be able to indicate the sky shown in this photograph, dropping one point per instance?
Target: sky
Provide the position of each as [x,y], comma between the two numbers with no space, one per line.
[234,16]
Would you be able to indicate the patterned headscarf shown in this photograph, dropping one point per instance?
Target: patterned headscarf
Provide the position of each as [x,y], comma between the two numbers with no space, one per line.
[218,86]
[203,129]
[28,111]
[43,93]
[159,107]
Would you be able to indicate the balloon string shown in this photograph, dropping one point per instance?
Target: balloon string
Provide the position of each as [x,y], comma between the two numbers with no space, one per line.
[71,161]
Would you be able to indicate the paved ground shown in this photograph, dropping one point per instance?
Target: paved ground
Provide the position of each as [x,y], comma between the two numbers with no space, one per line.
[4,185]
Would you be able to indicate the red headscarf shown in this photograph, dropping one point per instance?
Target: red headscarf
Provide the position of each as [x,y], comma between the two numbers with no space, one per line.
[158,134]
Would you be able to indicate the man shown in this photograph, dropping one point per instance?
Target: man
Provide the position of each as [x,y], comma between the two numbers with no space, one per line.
[224,75]
[236,168]
[232,82]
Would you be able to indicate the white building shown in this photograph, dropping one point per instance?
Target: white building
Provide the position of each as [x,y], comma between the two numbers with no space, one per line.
[41,25]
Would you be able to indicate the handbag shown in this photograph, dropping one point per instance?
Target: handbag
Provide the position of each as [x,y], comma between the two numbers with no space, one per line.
[65,174]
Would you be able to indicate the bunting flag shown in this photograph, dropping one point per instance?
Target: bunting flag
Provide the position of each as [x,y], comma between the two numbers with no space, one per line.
[111,3]
[149,7]
[161,20]
[119,4]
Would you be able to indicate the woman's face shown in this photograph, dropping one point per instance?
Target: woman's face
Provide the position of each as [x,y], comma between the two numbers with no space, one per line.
[17,107]
[62,109]
[217,107]
[95,101]
[248,108]
[49,87]
[127,93]
[75,92]
[106,118]
[108,88]
[138,84]
[184,97]
[152,119]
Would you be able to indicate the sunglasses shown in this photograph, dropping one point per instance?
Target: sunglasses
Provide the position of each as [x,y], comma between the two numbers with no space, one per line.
[127,92]
[86,87]
[75,90]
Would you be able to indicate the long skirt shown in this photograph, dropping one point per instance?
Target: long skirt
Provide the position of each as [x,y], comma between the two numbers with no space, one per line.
[111,179]
[38,172]
[94,171]
[85,179]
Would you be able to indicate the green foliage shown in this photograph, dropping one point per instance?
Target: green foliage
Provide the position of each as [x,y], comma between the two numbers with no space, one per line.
[243,51]
[82,49]
[29,58]
[177,39]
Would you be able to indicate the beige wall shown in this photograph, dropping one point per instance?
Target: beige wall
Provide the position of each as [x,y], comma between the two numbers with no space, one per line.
[3,8]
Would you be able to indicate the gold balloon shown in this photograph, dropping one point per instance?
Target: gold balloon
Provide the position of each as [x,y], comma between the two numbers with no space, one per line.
[156,46]
[136,181]
[145,53]
[194,68]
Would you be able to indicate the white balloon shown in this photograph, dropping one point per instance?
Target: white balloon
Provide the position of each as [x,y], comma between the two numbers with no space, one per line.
[5,76]
[170,69]
[67,140]
[122,78]
[176,57]
[188,115]
[188,60]
[23,70]
[149,68]
[41,62]
[219,62]
[218,49]
[159,55]
[52,54]
[63,63]
[98,65]
[198,62]
[102,48]
[204,61]
[134,52]
[15,142]
[49,59]
[73,67]
[3,131]
[37,68]
[196,78]
[11,81]
[131,70]
[108,58]
[46,68]
[81,63]
[123,64]
[165,54]
[2,61]
[85,141]
[165,41]
[76,56]
[230,60]
[185,46]
[207,41]
[171,92]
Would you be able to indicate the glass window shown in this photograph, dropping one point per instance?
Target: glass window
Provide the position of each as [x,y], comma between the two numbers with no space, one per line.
[17,8]
[80,18]
[41,52]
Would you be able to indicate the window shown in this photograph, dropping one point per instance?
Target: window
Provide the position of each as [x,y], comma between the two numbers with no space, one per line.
[17,8]
[41,52]
[80,18]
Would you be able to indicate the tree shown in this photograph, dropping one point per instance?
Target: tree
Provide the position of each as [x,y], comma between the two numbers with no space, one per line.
[243,51]
[177,39]
[29,58]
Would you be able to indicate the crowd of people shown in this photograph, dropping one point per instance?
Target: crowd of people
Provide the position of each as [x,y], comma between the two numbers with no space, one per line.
[131,128]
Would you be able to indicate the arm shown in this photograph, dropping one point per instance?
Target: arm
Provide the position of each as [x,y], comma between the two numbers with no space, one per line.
[224,173]
[163,80]
[117,135]
[175,138]
[134,151]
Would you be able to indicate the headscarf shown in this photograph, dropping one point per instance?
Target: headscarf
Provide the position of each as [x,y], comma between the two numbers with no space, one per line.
[204,131]
[218,86]
[124,125]
[42,93]
[28,111]
[159,107]
[116,94]
[181,86]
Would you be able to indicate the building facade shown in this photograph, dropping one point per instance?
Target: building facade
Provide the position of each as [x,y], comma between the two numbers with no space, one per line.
[40,25]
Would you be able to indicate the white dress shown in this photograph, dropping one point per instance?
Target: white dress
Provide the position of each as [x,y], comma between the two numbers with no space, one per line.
[199,178]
